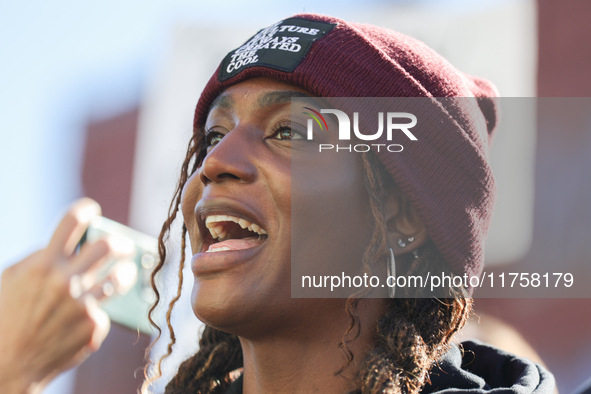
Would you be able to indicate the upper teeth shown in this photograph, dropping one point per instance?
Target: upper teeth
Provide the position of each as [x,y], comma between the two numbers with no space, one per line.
[217,230]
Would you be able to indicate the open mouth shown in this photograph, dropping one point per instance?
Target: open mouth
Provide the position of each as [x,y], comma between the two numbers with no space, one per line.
[228,232]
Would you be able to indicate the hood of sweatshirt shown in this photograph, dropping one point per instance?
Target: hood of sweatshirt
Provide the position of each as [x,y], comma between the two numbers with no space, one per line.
[477,368]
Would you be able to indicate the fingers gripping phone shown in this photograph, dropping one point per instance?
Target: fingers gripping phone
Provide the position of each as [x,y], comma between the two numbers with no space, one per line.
[130,309]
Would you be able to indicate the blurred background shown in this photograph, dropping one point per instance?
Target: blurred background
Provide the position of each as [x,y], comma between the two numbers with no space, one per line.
[96,99]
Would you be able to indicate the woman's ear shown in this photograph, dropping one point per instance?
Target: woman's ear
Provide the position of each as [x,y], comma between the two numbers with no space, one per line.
[405,230]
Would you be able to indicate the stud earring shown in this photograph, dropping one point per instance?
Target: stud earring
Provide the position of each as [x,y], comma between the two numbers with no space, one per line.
[391,269]
[403,244]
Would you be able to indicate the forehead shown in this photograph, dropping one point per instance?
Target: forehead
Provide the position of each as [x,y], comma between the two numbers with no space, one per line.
[259,92]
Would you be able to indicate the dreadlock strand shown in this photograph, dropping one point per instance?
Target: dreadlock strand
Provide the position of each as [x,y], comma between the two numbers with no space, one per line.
[194,146]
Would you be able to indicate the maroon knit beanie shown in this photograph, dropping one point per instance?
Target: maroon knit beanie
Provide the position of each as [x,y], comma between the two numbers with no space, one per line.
[447,179]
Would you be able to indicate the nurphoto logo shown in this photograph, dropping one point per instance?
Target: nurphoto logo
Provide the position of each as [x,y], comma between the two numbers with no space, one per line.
[393,124]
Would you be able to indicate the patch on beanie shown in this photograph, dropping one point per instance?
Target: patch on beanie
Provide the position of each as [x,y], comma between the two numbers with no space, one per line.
[281,46]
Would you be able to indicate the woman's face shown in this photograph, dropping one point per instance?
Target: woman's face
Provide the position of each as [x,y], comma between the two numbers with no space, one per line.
[240,210]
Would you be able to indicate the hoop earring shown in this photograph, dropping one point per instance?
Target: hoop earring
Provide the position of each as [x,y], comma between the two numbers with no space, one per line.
[391,269]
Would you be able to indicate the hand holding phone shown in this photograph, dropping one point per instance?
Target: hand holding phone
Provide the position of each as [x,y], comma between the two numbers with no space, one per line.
[44,328]
[126,280]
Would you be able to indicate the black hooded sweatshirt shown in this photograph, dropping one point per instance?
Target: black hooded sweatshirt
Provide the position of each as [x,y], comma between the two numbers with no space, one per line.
[478,369]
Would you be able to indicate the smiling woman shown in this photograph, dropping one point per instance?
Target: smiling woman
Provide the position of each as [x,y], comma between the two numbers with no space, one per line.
[244,175]
[250,220]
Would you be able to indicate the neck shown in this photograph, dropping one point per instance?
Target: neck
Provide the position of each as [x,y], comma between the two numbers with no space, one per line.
[306,358]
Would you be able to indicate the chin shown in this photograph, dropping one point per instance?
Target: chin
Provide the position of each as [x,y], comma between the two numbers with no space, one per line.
[225,304]
[217,303]
[243,310]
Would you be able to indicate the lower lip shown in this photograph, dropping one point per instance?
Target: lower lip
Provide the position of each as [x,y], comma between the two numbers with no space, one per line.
[207,263]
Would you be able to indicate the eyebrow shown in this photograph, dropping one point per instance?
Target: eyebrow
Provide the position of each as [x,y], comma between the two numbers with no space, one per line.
[279,97]
[222,101]
[271,98]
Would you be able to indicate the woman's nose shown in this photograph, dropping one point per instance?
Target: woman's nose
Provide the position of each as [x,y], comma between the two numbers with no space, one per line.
[232,158]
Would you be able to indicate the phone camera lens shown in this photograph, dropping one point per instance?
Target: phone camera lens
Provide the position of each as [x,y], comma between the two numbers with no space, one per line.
[148,261]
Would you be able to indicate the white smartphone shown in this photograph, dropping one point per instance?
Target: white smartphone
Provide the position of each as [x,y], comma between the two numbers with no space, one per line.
[130,309]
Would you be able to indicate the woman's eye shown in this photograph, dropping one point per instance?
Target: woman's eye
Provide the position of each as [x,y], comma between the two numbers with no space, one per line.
[284,134]
[213,137]
[287,133]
